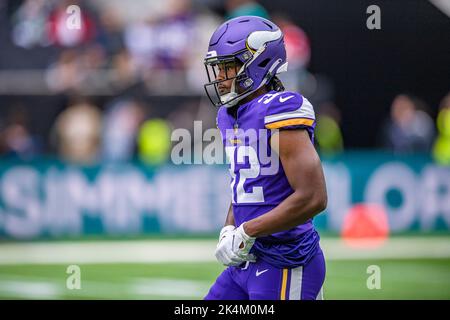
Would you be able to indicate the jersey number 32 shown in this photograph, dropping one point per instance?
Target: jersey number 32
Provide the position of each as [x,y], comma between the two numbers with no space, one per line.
[256,195]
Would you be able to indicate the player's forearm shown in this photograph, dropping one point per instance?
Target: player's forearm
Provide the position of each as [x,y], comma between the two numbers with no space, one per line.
[230,216]
[293,211]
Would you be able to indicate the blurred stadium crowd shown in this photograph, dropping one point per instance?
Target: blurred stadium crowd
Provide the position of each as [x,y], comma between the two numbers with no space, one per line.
[125,52]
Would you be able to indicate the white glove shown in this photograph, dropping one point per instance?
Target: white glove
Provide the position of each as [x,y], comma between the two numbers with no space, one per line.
[226,231]
[234,246]
[242,243]
[223,255]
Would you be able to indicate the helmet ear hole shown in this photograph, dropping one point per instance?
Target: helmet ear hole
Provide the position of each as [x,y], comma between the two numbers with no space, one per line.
[264,63]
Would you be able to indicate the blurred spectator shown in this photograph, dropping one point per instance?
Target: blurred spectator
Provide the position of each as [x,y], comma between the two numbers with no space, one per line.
[154,141]
[112,51]
[140,41]
[441,147]
[61,35]
[124,70]
[164,43]
[236,8]
[92,57]
[120,127]
[77,132]
[328,133]
[111,31]
[29,27]
[66,73]
[409,129]
[73,71]
[175,34]
[16,139]
[167,51]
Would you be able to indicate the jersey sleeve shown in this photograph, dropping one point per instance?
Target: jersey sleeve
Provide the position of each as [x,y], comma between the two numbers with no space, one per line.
[290,110]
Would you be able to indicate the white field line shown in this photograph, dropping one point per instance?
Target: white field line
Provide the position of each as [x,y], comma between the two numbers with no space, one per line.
[29,290]
[170,287]
[108,252]
[160,251]
[148,288]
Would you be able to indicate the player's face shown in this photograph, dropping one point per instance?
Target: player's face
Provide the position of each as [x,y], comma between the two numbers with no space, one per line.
[226,73]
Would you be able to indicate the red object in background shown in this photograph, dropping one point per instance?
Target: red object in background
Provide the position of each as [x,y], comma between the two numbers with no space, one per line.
[298,49]
[365,225]
[61,35]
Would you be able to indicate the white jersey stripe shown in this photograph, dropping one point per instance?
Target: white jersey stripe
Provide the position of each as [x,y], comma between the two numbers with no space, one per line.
[295,290]
[304,111]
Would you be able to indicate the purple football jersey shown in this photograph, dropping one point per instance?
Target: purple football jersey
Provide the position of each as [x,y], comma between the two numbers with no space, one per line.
[258,181]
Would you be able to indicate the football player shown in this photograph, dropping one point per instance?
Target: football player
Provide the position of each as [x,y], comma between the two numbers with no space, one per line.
[268,242]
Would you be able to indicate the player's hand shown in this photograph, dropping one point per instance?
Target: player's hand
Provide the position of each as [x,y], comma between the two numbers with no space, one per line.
[223,254]
[226,231]
[234,246]
[243,243]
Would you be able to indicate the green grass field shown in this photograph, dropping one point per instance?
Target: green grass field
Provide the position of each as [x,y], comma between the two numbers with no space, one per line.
[403,278]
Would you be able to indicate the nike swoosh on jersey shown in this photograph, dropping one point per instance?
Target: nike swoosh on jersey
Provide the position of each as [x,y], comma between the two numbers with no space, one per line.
[285,99]
[258,273]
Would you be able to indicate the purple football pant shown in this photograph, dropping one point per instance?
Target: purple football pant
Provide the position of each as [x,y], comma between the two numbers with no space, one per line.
[262,281]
